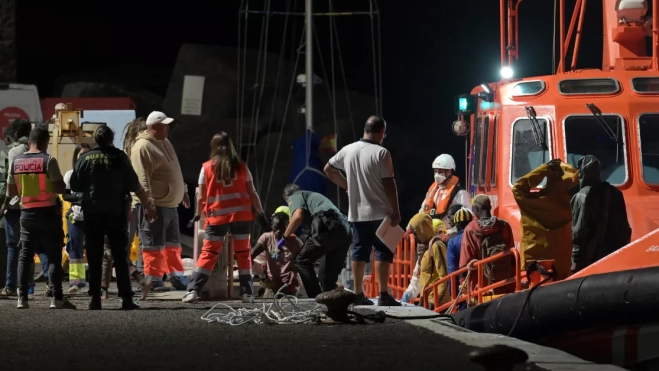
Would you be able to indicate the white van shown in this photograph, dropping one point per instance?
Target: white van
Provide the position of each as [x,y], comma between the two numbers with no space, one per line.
[18,101]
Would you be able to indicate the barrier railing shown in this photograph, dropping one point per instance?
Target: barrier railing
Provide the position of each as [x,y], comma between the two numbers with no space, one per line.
[228,245]
[400,272]
[479,292]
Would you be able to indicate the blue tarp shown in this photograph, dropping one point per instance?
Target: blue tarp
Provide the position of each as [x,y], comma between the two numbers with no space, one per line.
[309,177]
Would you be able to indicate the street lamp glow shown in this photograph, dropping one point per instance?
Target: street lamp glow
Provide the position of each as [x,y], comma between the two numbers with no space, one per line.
[506,73]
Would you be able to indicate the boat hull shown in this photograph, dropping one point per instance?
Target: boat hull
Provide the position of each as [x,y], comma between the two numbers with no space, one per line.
[595,311]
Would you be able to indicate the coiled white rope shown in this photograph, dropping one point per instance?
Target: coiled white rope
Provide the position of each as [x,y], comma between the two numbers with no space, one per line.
[277,312]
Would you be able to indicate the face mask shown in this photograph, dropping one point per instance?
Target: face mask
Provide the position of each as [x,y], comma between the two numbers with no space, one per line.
[440,178]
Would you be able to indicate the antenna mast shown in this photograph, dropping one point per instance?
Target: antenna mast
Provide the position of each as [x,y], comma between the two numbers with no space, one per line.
[309,64]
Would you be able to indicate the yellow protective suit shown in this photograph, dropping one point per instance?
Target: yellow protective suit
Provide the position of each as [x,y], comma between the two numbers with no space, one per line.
[546,216]
[433,265]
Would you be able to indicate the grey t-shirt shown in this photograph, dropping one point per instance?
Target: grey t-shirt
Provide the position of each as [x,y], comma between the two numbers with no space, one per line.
[315,202]
[365,163]
[18,150]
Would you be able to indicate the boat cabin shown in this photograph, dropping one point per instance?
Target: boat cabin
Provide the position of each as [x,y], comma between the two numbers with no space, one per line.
[514,126]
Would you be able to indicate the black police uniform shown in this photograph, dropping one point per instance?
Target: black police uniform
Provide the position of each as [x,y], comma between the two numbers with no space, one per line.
[105,176]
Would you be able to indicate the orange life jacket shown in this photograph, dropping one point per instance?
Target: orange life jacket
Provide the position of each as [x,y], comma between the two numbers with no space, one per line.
[449,191]
[227,201]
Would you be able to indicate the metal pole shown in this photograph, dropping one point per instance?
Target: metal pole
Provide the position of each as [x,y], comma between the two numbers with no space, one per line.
[655,34]
[309,64]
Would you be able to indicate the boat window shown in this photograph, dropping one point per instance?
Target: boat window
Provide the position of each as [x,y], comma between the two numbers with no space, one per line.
[476,161]
[493,163]
[486,142]
[528,88]
[646,85]
[527,154]
[584,135]
[648,130]
[588,86]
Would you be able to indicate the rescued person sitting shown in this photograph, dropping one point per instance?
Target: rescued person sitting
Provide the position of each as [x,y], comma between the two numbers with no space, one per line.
[279,262]
[432,261]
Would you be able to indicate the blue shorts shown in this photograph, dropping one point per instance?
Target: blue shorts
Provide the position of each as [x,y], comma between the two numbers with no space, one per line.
[366,241]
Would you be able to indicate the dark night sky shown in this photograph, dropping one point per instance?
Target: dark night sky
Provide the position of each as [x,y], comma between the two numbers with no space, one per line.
[432,50]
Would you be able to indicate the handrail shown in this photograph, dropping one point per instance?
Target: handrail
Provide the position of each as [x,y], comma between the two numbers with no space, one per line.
[478,293]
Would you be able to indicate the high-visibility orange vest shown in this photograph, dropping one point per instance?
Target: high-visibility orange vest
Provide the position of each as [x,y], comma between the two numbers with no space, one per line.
[227,201]
[440,209]
[32,183]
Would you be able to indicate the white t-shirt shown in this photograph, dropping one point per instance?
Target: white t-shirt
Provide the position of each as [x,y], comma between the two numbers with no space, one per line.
[366,164]
[202,176]
[67,179]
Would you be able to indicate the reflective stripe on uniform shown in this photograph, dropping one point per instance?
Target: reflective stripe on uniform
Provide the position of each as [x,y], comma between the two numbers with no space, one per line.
[227,201]
[32,183]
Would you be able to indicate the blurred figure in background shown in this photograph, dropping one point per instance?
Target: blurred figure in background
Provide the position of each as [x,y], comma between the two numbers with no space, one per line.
[75,245]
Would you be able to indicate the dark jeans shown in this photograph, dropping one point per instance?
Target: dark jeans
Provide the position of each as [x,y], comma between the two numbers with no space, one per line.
[329,241]
[4,253]
[12,221]
[45,232]
[97,226]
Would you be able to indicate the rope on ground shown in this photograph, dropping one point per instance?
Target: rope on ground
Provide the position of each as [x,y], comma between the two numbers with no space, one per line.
[277,312]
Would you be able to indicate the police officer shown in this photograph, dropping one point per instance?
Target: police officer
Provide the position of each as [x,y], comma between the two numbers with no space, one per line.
[329,238]
[36,178]
[105,176]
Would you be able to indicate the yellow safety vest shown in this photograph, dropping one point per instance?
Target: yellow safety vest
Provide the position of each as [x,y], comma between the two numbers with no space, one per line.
[32,183]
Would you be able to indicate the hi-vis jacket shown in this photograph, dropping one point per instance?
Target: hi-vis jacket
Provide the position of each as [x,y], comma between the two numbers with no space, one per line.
[227,201]
[32,183]
[546,216]
[439,198]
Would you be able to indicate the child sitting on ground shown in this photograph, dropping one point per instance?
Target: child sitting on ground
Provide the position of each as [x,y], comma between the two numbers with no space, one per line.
[279,268]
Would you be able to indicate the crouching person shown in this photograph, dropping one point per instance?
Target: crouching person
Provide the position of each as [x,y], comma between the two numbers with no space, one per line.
[280,262]
[432,261]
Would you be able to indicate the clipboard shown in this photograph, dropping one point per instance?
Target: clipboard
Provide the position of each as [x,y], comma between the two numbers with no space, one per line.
[390,235]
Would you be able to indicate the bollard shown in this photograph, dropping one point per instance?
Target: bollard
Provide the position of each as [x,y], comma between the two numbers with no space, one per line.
[498,357]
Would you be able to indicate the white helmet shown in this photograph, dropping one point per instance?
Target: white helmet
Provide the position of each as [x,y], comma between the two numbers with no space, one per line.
[444,161]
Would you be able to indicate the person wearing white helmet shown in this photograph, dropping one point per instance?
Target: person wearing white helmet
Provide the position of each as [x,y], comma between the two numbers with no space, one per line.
[445,190]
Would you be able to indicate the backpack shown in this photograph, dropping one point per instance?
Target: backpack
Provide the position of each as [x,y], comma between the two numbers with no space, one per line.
[491,245]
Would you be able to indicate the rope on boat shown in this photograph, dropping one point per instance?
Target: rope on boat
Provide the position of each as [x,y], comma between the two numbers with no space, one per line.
[278,312]
[470,267]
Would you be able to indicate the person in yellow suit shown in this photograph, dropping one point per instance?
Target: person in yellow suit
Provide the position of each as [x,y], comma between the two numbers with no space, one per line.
[547,215]
[432,257]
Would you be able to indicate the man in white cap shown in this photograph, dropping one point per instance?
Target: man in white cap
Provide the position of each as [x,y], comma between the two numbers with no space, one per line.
[444,191]
[159,172]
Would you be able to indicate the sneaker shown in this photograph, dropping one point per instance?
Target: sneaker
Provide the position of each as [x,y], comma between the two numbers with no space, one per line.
[190,297]
[73,290]
[6,292]
[62,304]
[362,300]
[129,304]
[386,300]
[22,303]
[268,294]
[48,292]
[95,304]
[248,299]
[30,290]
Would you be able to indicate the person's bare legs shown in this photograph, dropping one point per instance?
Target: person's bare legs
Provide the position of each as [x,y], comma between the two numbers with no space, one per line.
[382,269]
[358,269]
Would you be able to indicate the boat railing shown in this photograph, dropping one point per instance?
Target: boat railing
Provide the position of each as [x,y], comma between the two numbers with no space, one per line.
[400,272]
[481,292]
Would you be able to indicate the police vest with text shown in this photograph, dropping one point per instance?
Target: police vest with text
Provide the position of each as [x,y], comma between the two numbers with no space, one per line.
[32,183]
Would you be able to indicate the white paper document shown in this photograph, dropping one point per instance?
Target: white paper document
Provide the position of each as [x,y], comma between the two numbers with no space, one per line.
[390,235]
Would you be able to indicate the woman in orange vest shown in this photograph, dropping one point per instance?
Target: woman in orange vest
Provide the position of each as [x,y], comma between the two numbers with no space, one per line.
[226,198]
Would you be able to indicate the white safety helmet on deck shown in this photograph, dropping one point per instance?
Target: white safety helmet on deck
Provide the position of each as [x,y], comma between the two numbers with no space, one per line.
[444,161]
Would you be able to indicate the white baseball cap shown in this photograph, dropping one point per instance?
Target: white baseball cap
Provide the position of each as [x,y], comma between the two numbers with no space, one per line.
[156,117]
